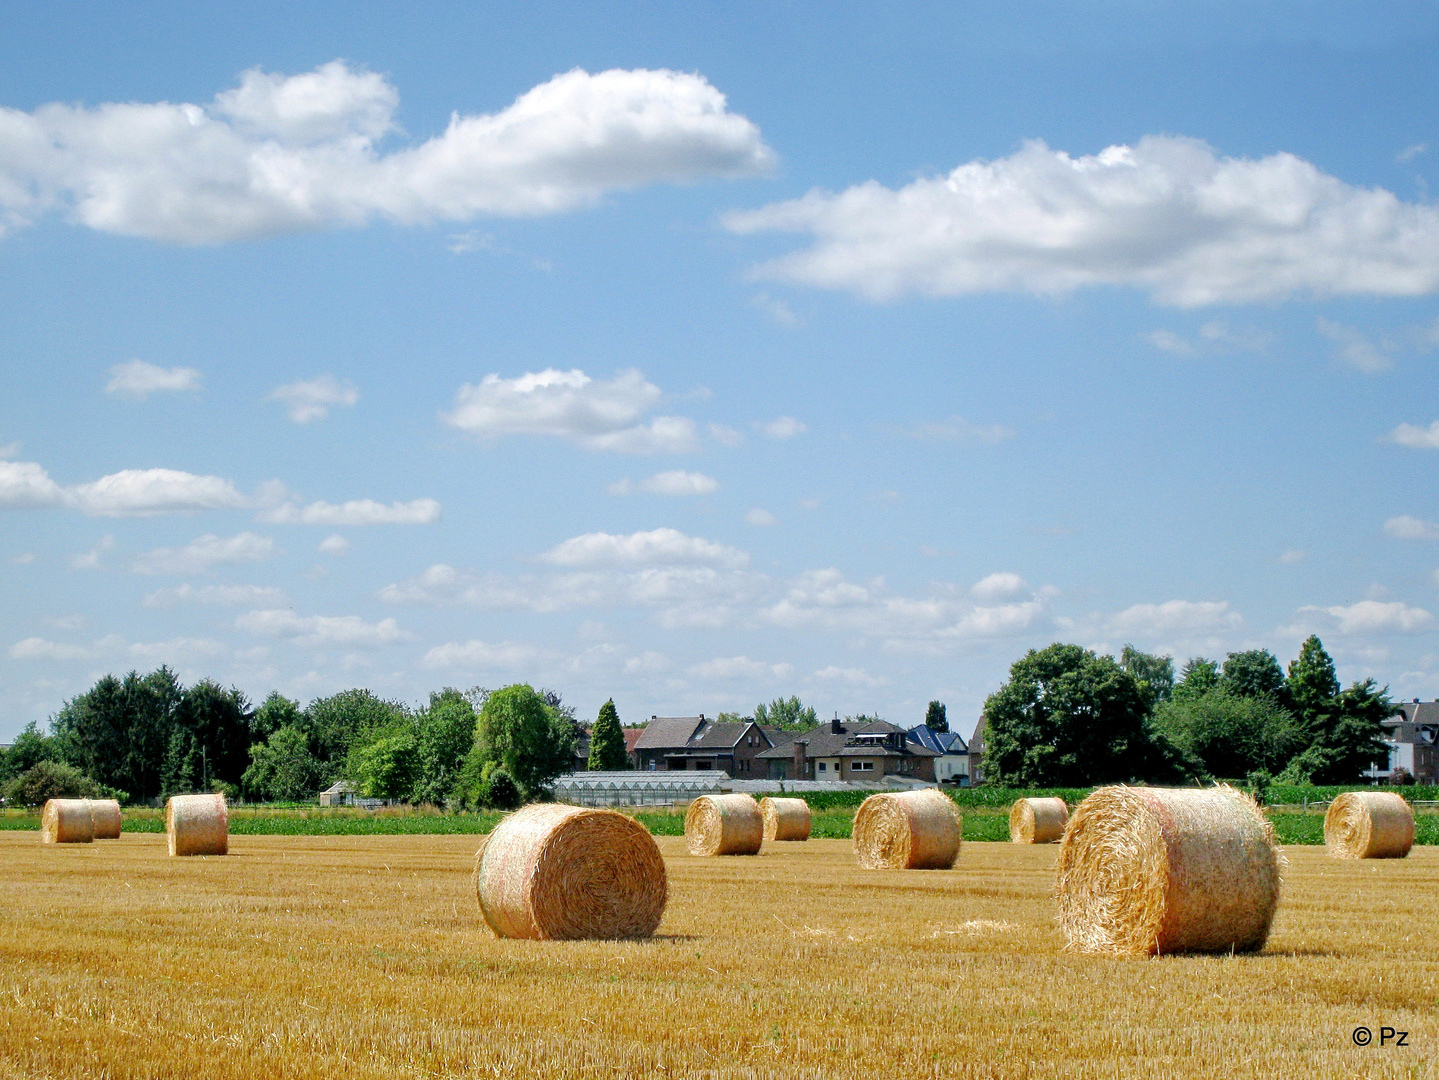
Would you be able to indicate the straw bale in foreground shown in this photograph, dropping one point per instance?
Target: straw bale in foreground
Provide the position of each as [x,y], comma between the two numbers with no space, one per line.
[197,825]
[907,830]
[785,819]
[1146,871]
[724,825]
[1037,821]
[551,871]
[66,821]
[105,813]
[1369,825]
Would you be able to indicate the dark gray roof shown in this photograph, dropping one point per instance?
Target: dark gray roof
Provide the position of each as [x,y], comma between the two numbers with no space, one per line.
[719,736]
[668,732]
[823,741]
[941,742]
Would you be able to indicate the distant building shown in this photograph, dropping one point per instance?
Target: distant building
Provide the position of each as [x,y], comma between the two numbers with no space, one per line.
[1413,738]
[698,744]
[976,753]
[952,764]
[839,750]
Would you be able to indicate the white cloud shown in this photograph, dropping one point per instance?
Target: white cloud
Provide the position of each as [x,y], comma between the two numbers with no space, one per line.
[1416,437]
[1167,215]
[1175,617]
[146,492]
[354,512]
[1371,617]
[312,399]
[1000,586]
[740,667]
[279,154]
[1409,153]
[204,553]
[658,547]
[343,630]
[90,560]
[1354,349]
[784,427]
[762,518]
[34,648]
[476,655]
[226,595]
[599,414]
[726,436]
[958,429]
[334,544]
[138,379]
[1215,336]
[9,450]
[850,676]
[26,484]
[674,482]
[1405,527]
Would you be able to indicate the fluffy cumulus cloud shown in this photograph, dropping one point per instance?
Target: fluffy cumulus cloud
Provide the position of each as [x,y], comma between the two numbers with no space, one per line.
[346,631]
[1175,617]
[312,399]
[673,482]
[1167,215]
[783,427]
[1405,527]
[1000,586]
[477,655]
[280,154]
[147,492]
[354,512]
[740,667]
[1367,617]
[599,414]
[113,647]
[657,547]
[204,553]
[1416,437]
[137,379]
[25,484]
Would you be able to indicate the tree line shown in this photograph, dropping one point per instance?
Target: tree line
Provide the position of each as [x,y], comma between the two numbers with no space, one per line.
[1069,717]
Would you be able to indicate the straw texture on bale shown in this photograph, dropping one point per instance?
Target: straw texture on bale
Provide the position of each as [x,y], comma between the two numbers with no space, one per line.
[1369,825]
[66,821]
[565,873]
[785,819]
[197,825]
[907,830]
[724,825]
[105,813]
[1147,871]
[1037,821]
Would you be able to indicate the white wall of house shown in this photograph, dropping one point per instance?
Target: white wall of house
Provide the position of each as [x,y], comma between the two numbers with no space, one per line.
[948,768]
[826,768]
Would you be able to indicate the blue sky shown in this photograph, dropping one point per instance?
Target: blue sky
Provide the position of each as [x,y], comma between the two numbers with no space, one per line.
[693,355]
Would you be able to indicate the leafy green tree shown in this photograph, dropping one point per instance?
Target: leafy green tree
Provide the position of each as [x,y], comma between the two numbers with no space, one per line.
[1346,739]
[607,741]
[1254,673]
[30,748]
[501,792]
[49,780]
[342,722]
[444,733]
[1154,672]
[388,767]
[790,714]
[1069,718]
[276,712]
[1231,736]
[119,731]
[1312,683]
[282,768]
[1198,677]
[209,739]
[518,731]
[935,717]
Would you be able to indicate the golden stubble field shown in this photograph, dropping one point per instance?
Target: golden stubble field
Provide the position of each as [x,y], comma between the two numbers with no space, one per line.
[358,957]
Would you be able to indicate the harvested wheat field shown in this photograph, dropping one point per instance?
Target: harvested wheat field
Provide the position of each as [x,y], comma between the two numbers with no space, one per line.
[367,957]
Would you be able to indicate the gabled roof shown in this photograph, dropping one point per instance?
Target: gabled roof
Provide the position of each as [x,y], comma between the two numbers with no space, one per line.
[668,732]
[824,741]
[632,736]
[720,736]
[941,742]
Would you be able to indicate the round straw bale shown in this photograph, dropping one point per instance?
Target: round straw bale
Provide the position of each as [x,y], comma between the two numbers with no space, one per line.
[66,821]
[907,830]
[724,825]
[1369,825]
[197,825]
[557,872]
[1037,821]
[785,819]
[105,813]
[1145,871]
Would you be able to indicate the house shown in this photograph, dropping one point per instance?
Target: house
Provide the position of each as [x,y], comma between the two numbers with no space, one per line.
[976,753]
[1413,738]
[632,736]
[696,743]
[845,751]
[952,764]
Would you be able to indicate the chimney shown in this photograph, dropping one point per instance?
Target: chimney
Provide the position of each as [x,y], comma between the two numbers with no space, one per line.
[799,762]
[836,726]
